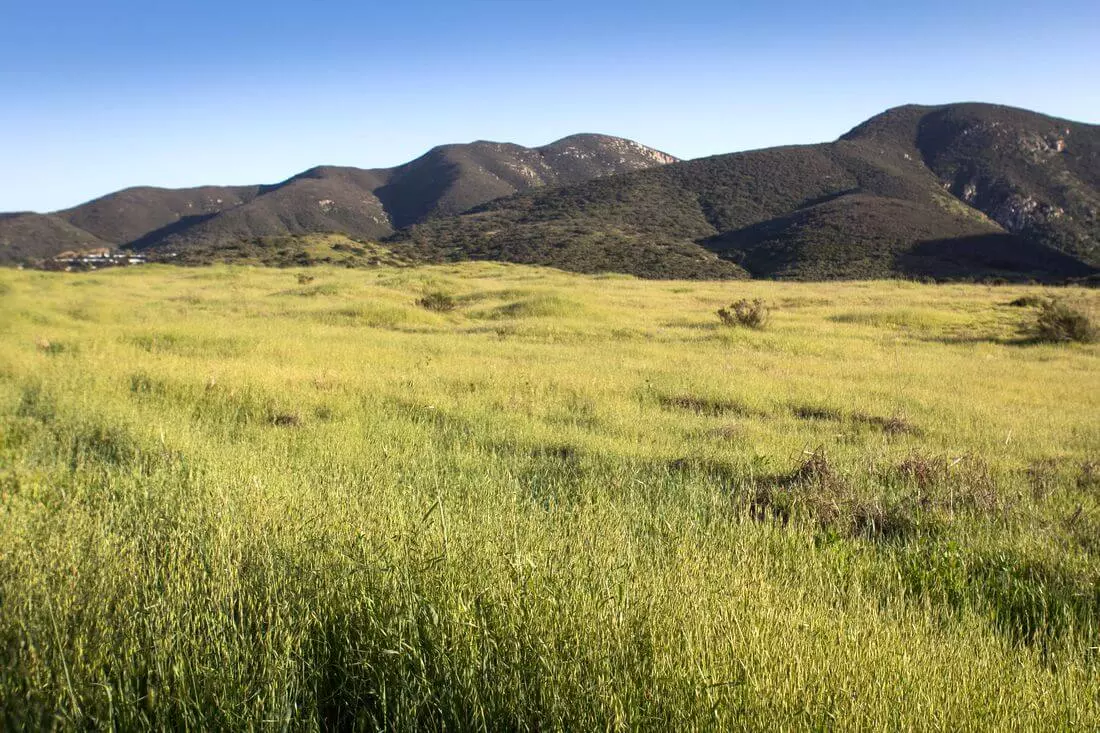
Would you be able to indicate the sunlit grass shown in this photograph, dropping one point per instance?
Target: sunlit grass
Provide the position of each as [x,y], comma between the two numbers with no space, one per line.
[229,498]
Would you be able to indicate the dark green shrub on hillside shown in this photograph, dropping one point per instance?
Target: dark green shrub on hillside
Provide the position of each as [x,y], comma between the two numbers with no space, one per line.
[1062,320]
[749,313]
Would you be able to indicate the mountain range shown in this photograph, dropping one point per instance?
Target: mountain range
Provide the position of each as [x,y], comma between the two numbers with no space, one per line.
[366,204]
[952,191]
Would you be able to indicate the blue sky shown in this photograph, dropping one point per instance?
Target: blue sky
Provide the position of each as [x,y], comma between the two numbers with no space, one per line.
[98,96]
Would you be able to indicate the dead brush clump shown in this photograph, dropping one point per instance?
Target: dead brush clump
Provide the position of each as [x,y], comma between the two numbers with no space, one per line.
[951,485]
[816,471]
[823,493]
[818,492]
[813,412]
[286,419]
[973,487]
[814,488]
[938,488]
[923,472]
[710,406]
[1089,477]
[1042,476]
[895,425]
[897,520]
[748,313]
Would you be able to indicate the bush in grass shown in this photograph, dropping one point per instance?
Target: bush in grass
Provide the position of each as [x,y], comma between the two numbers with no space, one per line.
[438,301]
[1063,320]
[749,313]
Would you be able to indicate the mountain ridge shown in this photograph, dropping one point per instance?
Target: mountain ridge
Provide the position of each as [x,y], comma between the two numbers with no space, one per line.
[360,202]
[957,190]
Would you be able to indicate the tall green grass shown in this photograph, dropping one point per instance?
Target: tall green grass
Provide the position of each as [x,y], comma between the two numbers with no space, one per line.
[568,503]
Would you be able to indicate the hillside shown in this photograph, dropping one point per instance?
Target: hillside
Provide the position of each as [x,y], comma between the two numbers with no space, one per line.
[325,199]
[365,204]
[1034,175]
[957,191]
[27,236]
[126,216]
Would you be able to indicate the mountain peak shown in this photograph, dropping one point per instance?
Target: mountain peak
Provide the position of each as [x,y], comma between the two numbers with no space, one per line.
[586,141]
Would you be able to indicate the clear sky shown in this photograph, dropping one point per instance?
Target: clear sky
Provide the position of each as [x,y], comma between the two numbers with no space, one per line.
[100,95]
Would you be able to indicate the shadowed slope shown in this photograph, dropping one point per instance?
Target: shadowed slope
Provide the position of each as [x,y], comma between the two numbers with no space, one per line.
[128,215]
[27,236]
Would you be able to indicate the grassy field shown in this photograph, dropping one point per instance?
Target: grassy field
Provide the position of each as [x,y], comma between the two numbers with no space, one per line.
[237,497]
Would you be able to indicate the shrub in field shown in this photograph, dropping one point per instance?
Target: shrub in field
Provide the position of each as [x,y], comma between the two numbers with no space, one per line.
[1063,320]
[438,301]
[52,348]
[877,520]
[750,313]
[286,419]
[923,472]
[1042,475]
[1028,301]
[894,425]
